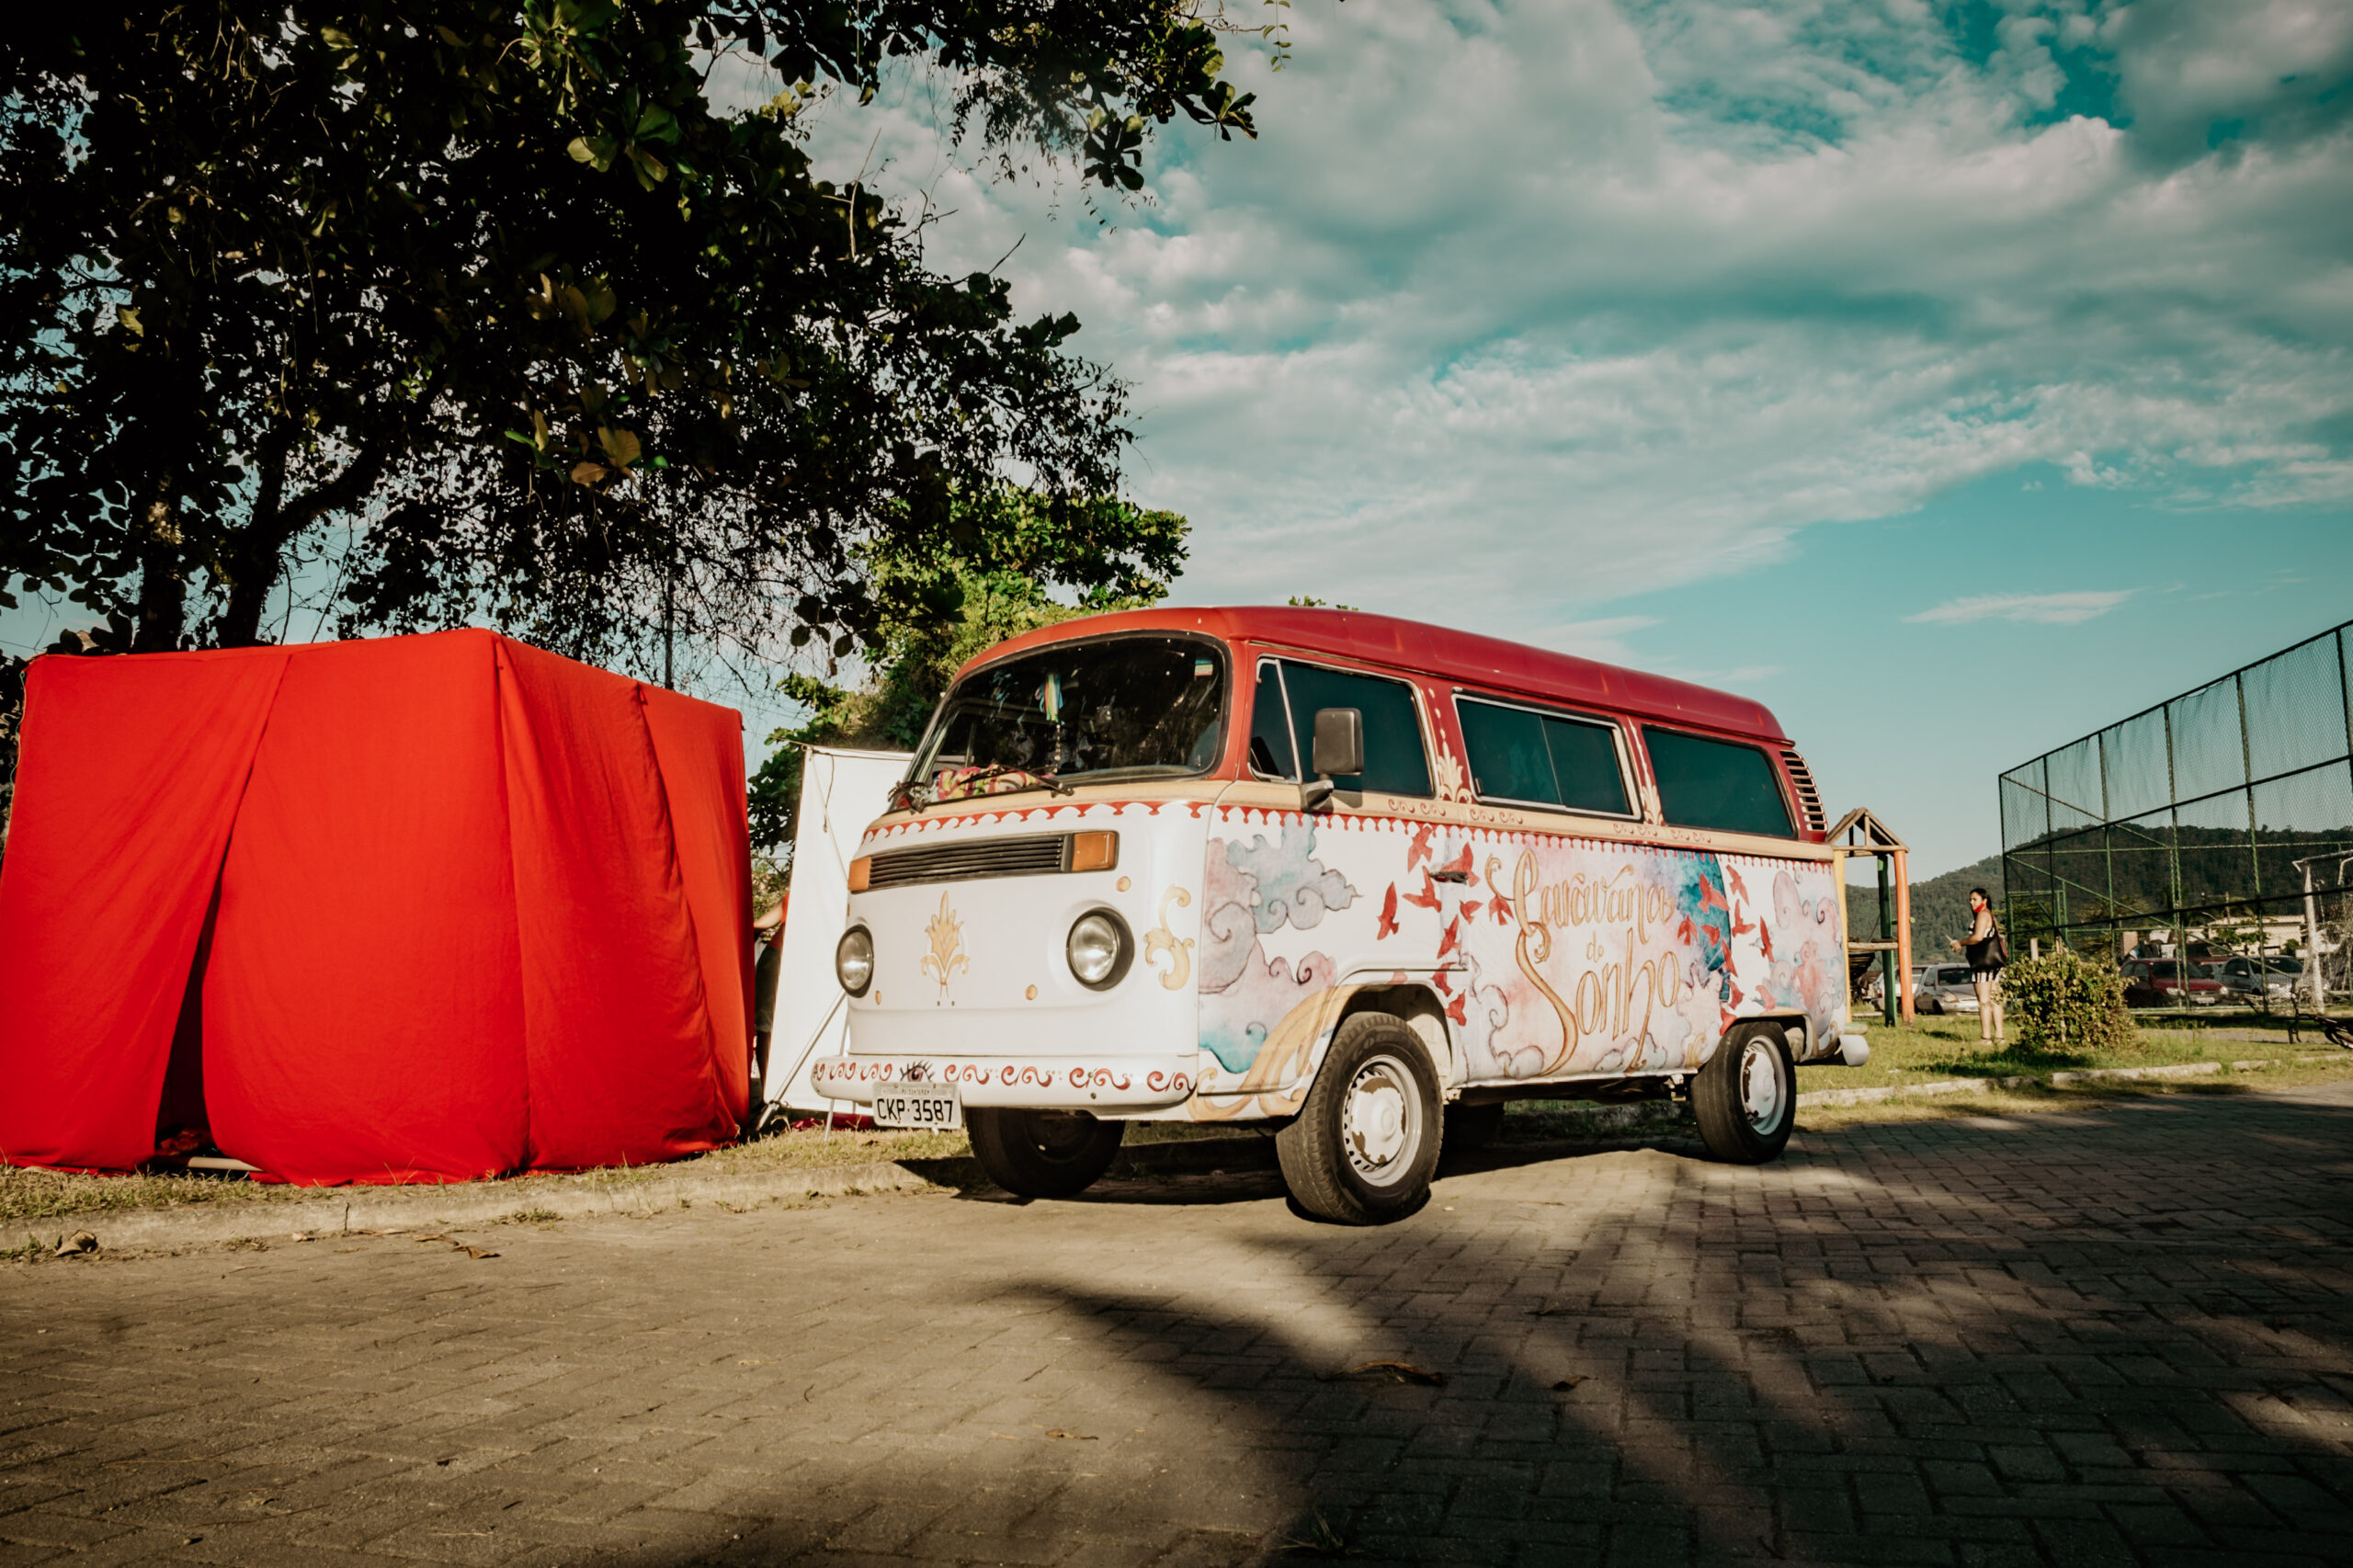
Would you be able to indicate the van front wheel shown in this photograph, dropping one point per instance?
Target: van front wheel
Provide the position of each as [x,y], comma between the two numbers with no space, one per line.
[1363,1148]
[1042,1154]
[1746,1097]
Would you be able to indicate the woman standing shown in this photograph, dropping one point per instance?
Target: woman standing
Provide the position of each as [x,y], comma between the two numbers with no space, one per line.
[1987,951]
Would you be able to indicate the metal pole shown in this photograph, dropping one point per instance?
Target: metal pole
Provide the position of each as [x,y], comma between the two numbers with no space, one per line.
[2312,942]
[1903,928]
[2173,825]
[2009,877]
[1887,934]
[2246,778]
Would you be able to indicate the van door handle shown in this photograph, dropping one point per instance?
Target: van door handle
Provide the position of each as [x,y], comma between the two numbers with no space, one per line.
[1451,877]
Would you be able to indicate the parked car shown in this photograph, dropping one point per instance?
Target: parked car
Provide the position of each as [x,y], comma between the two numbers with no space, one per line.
[1874,989]
[1944,988]
[2168,983]
[2272,978]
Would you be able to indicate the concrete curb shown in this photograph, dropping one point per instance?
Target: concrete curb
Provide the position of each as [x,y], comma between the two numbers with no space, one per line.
[433,1207]
[438,1208]
[349,1209]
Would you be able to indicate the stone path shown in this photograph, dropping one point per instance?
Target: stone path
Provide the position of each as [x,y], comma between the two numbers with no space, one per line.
[2114,1336]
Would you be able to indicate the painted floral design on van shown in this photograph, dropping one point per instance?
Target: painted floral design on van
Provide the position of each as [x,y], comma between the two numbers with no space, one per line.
[1552,956]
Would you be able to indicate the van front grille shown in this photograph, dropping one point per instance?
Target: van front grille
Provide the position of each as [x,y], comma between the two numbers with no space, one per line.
[1031,855]
[1809,797]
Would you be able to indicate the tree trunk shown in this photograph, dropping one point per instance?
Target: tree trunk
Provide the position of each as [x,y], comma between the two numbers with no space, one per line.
[254,555]
[162,589]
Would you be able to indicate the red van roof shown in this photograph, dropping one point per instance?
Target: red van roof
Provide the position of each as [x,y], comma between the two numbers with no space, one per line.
[1437,651]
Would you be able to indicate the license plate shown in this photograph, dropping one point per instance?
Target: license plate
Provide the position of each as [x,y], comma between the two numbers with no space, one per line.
[933,1107]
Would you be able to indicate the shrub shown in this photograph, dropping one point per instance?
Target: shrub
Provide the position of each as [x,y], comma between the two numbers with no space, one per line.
[2065,1001]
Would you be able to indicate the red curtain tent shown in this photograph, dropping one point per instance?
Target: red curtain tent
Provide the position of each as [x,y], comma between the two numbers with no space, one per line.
[415,909]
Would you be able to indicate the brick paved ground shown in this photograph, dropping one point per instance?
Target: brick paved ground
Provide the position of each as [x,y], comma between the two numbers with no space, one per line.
[2112,1336]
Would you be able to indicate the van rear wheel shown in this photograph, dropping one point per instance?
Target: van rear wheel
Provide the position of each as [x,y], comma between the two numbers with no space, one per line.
[1363,1148]
[1042,1154]
[1746,1097]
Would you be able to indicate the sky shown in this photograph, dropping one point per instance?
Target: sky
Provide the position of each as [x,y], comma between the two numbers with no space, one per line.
[1953,379]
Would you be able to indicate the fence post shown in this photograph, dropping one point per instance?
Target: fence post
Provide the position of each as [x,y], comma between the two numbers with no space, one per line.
[1887,934]
[2312,942]
[1903,928]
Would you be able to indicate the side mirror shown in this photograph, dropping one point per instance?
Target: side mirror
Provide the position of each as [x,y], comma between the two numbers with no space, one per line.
[1339,742]
[1338,751]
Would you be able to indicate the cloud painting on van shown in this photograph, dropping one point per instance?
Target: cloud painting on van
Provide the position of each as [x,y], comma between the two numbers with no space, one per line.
[1554,956]
[1255,888]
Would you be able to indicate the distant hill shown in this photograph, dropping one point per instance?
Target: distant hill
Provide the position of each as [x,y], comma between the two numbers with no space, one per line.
[1939,906]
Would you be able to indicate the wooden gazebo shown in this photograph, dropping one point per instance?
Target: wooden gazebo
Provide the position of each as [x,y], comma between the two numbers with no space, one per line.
[1860,833]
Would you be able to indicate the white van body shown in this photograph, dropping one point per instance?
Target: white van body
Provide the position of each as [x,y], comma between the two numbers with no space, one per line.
[1586,944]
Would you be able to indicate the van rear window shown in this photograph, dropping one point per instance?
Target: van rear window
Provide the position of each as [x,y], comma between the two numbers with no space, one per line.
[1720,785]
[1525,758]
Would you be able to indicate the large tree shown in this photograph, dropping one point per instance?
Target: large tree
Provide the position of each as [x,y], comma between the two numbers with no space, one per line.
[1008,554]
[497,287]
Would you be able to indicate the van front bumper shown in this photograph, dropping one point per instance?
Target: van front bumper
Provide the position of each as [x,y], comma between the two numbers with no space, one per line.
[1102,1084]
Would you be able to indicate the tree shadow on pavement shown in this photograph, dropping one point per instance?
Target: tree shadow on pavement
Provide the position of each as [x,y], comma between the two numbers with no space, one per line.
[1925,1344]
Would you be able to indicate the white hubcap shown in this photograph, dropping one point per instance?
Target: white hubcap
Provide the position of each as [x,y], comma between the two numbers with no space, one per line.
[1381,1121]
[1760,1087]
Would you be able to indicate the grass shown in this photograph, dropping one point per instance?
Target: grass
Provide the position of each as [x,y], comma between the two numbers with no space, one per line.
[29,1196]
[1931,1049]
[2032,1098]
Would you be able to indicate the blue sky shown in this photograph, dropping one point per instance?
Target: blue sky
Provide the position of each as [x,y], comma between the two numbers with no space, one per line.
[1953,378]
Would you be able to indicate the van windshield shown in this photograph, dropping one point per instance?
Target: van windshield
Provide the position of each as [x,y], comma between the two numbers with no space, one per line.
[1083,712]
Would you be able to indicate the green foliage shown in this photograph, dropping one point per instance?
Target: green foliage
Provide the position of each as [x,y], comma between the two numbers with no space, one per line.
[1004,552]
[486,299]
[2064,1001]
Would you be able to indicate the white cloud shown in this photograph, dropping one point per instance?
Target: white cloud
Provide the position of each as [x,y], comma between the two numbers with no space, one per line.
[2036,610]
[1514,309]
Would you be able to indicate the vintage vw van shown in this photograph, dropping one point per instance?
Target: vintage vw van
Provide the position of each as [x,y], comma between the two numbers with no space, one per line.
[1363,879]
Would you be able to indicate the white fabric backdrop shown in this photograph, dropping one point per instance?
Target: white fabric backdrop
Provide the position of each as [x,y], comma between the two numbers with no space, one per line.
[841,792]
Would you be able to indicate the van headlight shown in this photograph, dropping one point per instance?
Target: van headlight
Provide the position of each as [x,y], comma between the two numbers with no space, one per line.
[1099,949]
[854,961]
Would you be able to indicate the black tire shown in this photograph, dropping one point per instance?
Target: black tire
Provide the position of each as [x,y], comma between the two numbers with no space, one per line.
[1378,1071]
[1746,1097]
[1042,1154]
[1470,1128]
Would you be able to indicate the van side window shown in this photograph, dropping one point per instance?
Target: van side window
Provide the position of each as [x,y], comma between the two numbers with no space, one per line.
[1716,784]
[1543,759]
[1394,760]
[1270,754]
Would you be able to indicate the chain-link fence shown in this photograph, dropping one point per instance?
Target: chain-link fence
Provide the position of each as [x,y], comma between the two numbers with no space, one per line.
[2216,825]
